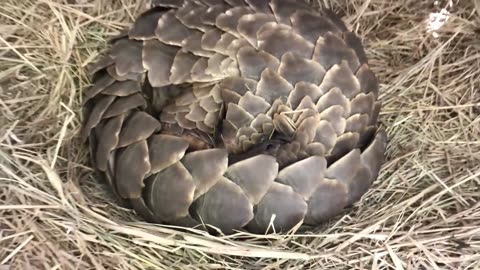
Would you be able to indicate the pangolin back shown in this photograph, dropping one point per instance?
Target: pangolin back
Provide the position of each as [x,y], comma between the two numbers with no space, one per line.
[238,114]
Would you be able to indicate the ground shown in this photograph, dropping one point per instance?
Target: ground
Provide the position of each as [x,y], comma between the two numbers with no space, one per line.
[423,212]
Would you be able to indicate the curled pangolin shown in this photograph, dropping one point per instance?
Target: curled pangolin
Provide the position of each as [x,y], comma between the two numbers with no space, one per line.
[238,114]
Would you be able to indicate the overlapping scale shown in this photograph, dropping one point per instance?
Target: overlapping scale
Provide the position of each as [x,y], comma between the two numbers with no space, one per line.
[158,59]
[165,150]
[272,86]
[254,175]
[281,207]
[143,28]
[170,30]
[250,24]
[253,62]
[108,140]
[124,104]
[169,193]
[330,50]
[137,127]
[132,165]
[233,210]
[312,26]
[127,55]
[206,168]
[271,38]
[228,21]
[304,176]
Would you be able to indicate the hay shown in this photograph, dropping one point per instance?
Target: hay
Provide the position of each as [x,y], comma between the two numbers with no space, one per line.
[422,213]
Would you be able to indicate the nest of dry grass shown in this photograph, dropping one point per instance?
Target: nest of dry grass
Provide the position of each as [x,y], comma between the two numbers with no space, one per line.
[422,213]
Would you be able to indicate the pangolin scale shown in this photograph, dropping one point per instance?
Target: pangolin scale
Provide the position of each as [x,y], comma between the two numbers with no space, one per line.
[255,115]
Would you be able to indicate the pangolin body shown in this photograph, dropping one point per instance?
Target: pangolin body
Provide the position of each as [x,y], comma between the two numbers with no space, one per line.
[254,115]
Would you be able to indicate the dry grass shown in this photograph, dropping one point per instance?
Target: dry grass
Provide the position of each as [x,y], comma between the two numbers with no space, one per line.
[422,213]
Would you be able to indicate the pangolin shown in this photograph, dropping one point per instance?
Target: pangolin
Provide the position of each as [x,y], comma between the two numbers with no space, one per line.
[239,115]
